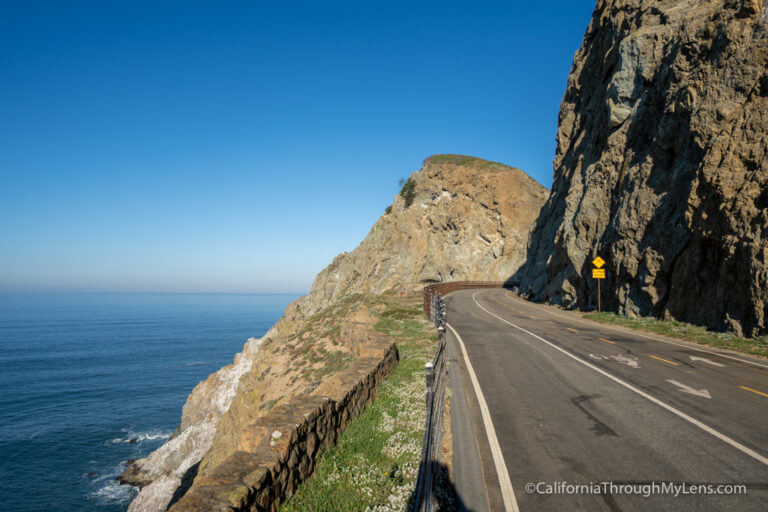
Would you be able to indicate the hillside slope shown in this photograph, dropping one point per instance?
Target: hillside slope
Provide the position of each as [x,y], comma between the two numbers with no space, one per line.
[661,166]
[469,219]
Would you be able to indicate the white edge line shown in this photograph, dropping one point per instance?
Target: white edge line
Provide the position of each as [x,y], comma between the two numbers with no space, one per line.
[635,333]
[693,421]
[507,493]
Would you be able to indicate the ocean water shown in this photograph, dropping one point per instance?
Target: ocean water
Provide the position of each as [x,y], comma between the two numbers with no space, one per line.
[88,381]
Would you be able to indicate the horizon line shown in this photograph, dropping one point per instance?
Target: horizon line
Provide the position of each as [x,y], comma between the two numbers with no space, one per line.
[146,292]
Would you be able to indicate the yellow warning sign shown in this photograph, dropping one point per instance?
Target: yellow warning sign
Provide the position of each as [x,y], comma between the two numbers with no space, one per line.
[598,262]
[598,273]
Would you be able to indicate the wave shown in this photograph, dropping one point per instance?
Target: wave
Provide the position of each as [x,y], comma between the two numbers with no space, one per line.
[196,363]
[140,437]
[112,492]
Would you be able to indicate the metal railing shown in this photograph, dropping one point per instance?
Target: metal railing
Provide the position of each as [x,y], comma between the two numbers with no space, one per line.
[425,497]
[441,289]
[426,485]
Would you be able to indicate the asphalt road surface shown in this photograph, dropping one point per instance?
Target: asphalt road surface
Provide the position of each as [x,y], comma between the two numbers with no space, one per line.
[545,401]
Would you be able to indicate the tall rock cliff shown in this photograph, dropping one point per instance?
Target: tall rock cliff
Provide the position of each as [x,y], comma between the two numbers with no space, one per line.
[662,166]
[465,218]
[468,219]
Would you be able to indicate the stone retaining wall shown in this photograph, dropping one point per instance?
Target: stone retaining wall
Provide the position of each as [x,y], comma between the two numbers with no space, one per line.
[284,444]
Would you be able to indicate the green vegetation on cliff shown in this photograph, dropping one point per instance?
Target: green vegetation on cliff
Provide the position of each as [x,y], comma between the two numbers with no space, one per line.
[408,192]
[375,462]
[469,161]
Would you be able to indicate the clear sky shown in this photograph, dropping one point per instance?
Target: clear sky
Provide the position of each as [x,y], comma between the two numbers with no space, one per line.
[239,146]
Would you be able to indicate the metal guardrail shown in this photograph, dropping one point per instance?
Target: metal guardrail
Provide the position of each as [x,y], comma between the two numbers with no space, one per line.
[425,497]
[441,289]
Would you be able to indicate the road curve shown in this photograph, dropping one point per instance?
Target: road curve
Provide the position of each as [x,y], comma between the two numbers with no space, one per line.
[572,402]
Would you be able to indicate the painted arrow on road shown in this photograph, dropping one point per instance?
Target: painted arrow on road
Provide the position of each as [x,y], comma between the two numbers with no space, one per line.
[627,360]
[688,389]
[705,360]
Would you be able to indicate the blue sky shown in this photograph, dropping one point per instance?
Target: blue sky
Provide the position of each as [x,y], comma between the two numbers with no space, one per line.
[239,146]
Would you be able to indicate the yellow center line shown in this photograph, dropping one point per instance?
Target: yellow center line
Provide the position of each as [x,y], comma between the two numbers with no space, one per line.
[550,322]
[574,330]
[754,391]
[607,341]
[665,360]
[530,316]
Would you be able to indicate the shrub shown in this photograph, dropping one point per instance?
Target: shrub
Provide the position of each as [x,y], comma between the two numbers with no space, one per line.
[408,192]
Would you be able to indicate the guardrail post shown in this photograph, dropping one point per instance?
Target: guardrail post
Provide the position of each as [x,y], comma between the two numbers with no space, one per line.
[434,305]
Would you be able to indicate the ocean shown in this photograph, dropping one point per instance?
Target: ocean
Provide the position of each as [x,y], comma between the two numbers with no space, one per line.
[88,381]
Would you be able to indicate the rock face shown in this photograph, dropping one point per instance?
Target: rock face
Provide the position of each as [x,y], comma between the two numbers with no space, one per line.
[469,220]
[161,473]
[218,416]
[279,449]
[662,166]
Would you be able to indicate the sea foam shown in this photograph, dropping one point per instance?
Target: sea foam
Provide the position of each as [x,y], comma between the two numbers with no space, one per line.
[139,437]
[112,492]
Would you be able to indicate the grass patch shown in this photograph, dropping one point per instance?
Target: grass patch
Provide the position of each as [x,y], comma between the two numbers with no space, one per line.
[271,403]
[468,161]
[687,332]
[375,463]
[333,362]
[399,313]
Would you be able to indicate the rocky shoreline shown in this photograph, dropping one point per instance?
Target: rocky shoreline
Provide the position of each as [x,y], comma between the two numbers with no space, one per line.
[161,473]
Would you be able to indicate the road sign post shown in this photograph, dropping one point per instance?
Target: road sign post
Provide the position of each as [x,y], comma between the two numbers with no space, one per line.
[598,273]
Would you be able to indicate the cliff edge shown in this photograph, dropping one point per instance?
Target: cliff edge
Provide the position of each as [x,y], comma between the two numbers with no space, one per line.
[661,167]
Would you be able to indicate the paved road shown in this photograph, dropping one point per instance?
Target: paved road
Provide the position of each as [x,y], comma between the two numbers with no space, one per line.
[573,401]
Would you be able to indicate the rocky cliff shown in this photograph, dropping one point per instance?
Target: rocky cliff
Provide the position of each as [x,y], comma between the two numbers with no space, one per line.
[661,166]
[468,219]
[464,218]
[291,360]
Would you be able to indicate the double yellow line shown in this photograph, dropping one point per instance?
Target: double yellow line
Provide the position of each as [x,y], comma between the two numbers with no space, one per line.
[754,391]
[665,360]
